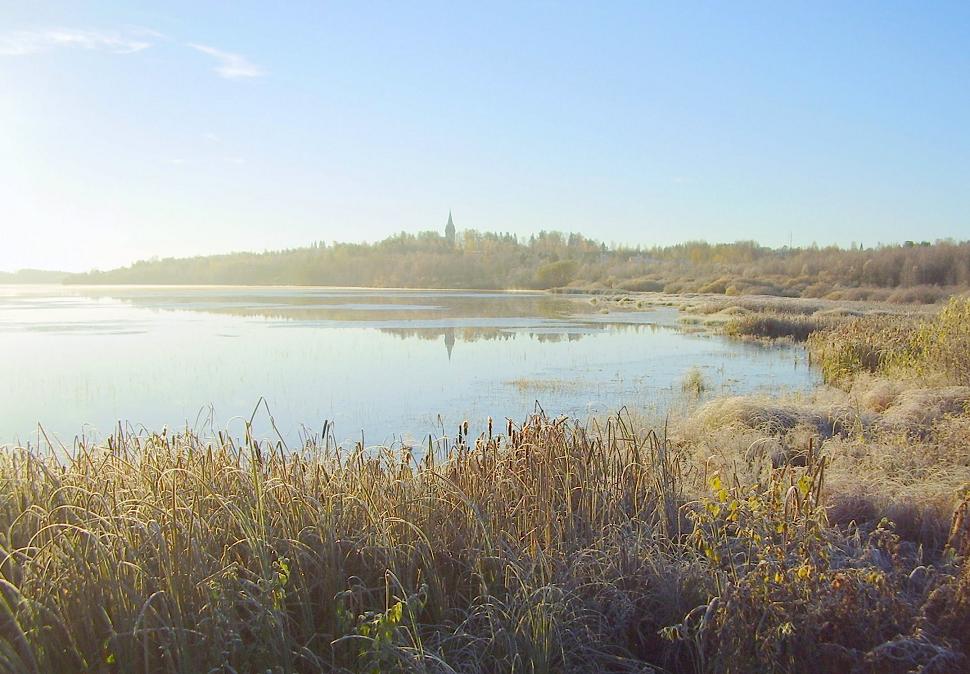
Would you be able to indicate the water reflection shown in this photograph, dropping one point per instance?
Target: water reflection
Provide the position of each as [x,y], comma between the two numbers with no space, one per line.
[449,316]
[349,304]
[450,341]
[566,332]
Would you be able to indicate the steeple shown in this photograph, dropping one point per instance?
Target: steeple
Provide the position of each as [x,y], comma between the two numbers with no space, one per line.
[450,229]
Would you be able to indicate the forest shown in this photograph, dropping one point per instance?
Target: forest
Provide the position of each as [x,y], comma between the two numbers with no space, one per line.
[908,272]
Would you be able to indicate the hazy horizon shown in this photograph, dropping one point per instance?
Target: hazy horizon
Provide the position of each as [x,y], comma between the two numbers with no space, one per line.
[134,130]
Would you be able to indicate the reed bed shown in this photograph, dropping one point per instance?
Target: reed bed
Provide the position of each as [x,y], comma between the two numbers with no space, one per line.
[935,350]
[551,547]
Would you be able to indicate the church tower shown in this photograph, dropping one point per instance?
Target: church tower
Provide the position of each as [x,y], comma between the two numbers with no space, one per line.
[450,229]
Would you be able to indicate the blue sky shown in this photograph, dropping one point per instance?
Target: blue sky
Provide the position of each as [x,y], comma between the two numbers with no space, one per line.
[132,129]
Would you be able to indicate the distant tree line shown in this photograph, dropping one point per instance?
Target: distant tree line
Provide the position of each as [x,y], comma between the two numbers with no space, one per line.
[908,272]
[33,276]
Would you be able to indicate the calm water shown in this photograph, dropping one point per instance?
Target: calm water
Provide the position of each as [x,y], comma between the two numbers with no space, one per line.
[393,364]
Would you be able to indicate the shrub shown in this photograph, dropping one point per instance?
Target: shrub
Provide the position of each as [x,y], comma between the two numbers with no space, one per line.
[555,274]
[642,284]
[716,287]
[924,294]
[858,294]
[817,290]
[788,601]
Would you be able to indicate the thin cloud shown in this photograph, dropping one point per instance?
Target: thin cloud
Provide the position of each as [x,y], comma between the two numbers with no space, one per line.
[25,42]
[230,66]
[141,31]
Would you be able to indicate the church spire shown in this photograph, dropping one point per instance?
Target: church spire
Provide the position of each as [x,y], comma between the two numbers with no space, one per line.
[450,228]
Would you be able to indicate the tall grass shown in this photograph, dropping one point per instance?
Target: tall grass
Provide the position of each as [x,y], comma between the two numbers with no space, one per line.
[935,350]
[694,382]
[553,547]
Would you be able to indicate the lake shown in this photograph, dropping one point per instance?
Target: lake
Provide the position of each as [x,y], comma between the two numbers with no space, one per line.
[393,365]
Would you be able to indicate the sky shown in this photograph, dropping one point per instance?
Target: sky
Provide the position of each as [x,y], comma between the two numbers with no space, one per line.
[137,129]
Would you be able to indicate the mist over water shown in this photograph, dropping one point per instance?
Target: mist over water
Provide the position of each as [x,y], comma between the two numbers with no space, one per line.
[395,365]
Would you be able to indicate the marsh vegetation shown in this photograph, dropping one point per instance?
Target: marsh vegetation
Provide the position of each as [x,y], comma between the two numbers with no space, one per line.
[816,533]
